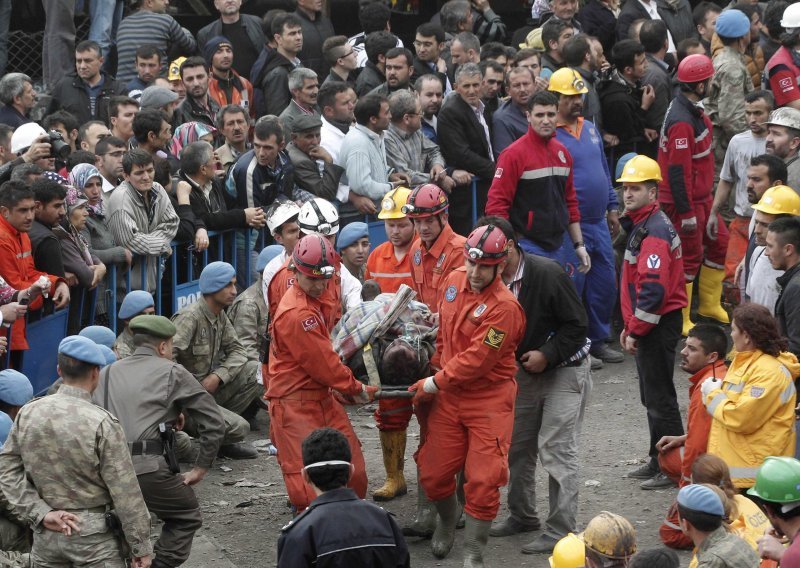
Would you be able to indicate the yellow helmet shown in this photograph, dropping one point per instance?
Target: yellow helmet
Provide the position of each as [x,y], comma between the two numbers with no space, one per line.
[533,40]
[640,168]
[779,200]
[174,72]
[392,203]
[611,535]
[569,552]
[567,81]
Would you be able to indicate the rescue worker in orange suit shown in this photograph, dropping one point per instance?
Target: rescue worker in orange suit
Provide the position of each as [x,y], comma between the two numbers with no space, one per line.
[390,266]
[687,169]
[301,387]
[703,356]
[437,252]
[472,396]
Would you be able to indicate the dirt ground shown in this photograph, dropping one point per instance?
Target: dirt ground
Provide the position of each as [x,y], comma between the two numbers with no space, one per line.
[245,520]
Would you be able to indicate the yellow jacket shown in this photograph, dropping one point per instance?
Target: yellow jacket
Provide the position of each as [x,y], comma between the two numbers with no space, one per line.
[753,413]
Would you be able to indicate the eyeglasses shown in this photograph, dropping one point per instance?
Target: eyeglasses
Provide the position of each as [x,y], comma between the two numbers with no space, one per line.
[348,54]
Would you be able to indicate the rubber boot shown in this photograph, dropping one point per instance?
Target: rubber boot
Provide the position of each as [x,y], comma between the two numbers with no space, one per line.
[393,445]
[445,532]
[476,535]
[687,311]
[710,292]
[425,521]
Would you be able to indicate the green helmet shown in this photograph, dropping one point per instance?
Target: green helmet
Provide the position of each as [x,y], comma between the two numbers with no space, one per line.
[777,480]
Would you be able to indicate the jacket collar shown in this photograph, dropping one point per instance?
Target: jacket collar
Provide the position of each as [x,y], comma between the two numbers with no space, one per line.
[9,228]
[641,214]
[441,241]
[335,496]
[717,369]
[787,276]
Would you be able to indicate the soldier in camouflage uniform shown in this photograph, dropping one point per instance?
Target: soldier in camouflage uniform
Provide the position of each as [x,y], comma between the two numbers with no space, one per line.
[15,542]
[136,302]
[145,391]
[66,463]
[207,345]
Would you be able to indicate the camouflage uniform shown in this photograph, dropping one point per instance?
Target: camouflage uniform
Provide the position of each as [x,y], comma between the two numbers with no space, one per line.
[250,317]
[725,102]
[123,346]
[722,549]
[64,452]
[206,344]
[143,391]
[14,537]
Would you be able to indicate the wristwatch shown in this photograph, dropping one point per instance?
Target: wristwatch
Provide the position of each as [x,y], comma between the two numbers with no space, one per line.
[579,244]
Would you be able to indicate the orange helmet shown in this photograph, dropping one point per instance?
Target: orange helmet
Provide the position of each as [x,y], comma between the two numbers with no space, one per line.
[486,245]
[314,256]
[695,68]
[426,201]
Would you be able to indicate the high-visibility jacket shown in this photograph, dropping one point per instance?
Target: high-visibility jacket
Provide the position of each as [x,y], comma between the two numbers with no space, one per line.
[753,413]
[389,272]
[430,268]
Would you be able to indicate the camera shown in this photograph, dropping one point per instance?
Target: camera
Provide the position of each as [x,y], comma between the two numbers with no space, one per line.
[58,148]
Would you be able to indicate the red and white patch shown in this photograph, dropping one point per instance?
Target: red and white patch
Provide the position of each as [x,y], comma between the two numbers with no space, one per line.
[786,84]
[653,262]
[681,143]
[310,323]
[498,173]
[562,157]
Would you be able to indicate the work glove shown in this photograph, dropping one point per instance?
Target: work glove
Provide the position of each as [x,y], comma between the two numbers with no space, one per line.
[424,390]
[366,395]
[709,385]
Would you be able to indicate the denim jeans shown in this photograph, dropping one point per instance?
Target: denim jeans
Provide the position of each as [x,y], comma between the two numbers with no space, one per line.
[105,16]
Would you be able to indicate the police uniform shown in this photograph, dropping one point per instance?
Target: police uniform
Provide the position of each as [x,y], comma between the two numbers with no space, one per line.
[143,391]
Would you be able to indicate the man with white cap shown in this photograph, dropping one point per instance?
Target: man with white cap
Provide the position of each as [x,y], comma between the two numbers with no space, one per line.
[282,225]
[207,345]
[136,302]
[55,437]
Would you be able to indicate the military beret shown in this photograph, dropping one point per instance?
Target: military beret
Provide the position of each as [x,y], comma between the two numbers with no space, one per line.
[732,24]
[100,334]
[215,276]
[5,427]
[350,234]
[82,349]
[266,255]
[15,388]
[135,303]
[157,326]
[305,122]
[110,356]
[701,499]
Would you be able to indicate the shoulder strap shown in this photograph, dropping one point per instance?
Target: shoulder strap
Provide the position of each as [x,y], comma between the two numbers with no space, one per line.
[105,372]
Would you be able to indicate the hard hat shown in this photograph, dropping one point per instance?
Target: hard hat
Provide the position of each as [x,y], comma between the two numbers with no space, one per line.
[174,72]
[25,135]
[567,81]
[393,202]
[314,256]
[791,17]
[777,480]
[732,23]
[318,216]
[533,40]
[280,213]
[569,552]
[486,245]
[785,116]
[426,201]
[640,168]
[621,163]
[695,68]
[611,535]
[779,200]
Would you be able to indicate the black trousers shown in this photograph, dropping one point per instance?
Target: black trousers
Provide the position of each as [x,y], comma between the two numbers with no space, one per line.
[655,363]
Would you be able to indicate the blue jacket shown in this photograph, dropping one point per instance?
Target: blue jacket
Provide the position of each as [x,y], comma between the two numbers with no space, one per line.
[252,185]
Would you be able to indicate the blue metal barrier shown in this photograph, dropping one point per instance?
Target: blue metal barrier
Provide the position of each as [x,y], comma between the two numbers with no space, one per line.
[40,361]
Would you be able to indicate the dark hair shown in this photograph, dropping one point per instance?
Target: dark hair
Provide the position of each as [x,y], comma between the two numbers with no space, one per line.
[575,50]
[266,21]
[229,109]
[527,53]
[12,192]
[23,171]
[746,8]
[773,14]
[624,53]
[333,48]
[378,43]
[105,144]
[327,444]
[283,21]
[453,13]
[421,81]
[776,168]
[146,121]
[711,337]
[373,17]
[754,96]
[147,51]
[118,101]
[162,172]
[73,369]
[655,557]
[493,50]
[5,133]
[490,64]
[756,321]
[267,127]
[88,45]
[87,125]
[46,190]
[788,231]
[367,107]
[328,91]
[468,40]
[542,98]
[704,522]
[67,119]
[136,157]
[551,30]
[80,157]
[194,61]
[683,47]
[396,52]
[517,71]
[503,224]
[429,29]
[653,35]
[700,12]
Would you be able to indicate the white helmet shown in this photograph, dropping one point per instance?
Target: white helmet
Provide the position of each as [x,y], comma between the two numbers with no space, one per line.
[318,216]
[281,213]
[26,135]
[791,17]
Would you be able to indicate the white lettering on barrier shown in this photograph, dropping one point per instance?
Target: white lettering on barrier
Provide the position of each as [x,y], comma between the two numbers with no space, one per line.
[188,299]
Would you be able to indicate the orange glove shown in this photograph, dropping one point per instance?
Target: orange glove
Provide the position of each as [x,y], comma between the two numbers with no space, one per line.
[420,394]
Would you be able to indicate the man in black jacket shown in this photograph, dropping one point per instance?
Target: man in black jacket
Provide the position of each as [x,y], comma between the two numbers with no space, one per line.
[87,91]
[783,251]
[317,27]
[45,245]
[553,383]
[243,30]
[272,76]
[377,45]
[429,44]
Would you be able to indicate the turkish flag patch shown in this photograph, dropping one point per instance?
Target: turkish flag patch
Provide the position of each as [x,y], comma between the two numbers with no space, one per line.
[681,143]
[310,323]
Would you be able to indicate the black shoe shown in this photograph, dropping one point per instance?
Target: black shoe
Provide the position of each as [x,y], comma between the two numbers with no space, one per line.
[250,414]
[606,354]
[510,525]
[645,472]
[658,481]
[238,452]
[542,544]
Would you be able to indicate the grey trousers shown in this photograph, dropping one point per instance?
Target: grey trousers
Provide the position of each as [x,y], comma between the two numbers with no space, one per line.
[547,419]
[58,52]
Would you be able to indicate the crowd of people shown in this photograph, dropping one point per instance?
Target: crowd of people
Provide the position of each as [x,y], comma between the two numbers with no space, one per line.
[617,175]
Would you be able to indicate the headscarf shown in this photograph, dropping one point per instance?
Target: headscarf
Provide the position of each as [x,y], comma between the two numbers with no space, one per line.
[187,133]
[75,199]
[78,178]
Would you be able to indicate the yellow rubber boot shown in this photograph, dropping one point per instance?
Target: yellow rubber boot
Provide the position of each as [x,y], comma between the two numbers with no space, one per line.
[710,292]
[393,445]
[687,311]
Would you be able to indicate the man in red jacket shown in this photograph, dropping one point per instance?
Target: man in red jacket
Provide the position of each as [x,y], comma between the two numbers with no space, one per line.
[16,261]
[687,169]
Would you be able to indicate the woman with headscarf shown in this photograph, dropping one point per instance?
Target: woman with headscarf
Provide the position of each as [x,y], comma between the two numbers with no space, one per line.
[184,135]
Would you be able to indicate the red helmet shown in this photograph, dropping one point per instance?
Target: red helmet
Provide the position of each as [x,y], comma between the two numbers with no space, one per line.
[486,245]
[695,68]
[314,256]
[425,201]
